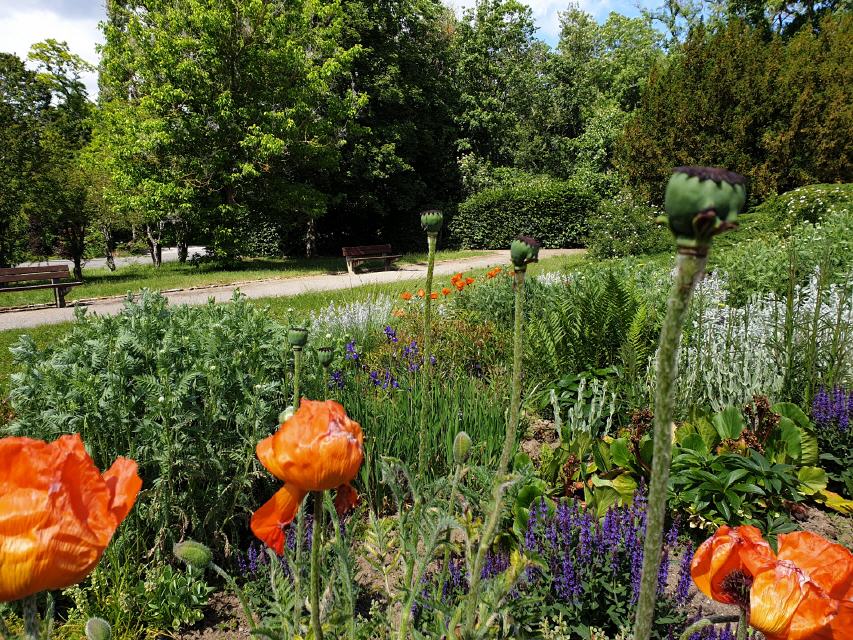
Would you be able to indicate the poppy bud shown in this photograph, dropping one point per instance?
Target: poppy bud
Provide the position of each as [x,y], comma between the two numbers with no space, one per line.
[98,629]
[432,220]
[523,251]
[195,554]
[286,415]
[461,447]
[701,202]
[297,337]
[325,355]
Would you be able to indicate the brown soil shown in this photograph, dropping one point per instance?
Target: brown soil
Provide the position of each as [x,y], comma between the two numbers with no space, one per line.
[224,620]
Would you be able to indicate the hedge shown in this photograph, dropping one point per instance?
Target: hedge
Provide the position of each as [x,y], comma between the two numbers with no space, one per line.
[555,212]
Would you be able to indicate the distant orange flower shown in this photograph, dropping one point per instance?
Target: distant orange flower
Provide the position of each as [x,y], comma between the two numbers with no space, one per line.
[421,293]
[804,592]
[57,512]
[445,291]
[434,295]
[317,449]
[406,296]
[459,285]
[399,313]
[455,278]
[469,280]
[493,272]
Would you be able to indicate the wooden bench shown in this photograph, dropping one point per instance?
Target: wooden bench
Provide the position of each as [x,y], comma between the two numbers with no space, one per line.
[357,255]
[54,273]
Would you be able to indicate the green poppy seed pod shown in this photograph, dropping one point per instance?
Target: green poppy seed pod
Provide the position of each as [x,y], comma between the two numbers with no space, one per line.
[98,629]
[432,220]
[195,554]
[701,202]
[297,337]
[325,355]
[461,447]
[523,251]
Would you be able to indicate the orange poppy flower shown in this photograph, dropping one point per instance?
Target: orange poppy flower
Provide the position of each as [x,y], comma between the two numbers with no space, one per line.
[469,280]
[421,293]
[459,285]
[806,592]
[406,296]
[445,291]
[57,512]
[317,449]
[455,278]
[434,295]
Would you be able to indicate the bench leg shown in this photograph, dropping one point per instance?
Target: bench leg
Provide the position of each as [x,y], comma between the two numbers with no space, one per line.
[349,267]
[60,297]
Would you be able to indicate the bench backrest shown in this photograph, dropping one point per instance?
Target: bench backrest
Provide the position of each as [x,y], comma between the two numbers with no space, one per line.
[48,272]
[367,250]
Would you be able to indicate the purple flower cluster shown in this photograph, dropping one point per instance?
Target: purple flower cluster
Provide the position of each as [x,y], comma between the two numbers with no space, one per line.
[352,353]
[336,379]
[578,547]
[833,410]
[390,334]
[385,380]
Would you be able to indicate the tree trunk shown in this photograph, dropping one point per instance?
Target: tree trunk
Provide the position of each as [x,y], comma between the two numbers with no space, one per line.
[311,239]
[181,233]
[109,248]
[78,267]
[155,249]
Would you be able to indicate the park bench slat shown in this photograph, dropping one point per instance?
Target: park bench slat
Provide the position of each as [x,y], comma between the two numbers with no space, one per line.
[54,273]
[365,253]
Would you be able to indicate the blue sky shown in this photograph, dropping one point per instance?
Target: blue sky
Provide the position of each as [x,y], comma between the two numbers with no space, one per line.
[24,22]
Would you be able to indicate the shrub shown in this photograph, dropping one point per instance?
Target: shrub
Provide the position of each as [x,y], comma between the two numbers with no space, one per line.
[554,212]
[625,226]
[185,391]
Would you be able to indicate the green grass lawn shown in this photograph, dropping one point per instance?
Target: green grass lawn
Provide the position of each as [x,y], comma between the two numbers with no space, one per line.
[173,275]
[279,307]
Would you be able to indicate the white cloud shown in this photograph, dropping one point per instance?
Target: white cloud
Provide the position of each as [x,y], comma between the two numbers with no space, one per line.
[22,26]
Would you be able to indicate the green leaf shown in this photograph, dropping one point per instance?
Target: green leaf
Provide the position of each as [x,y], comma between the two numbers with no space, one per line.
[808,448]
[708,432]
[792,412]
[729,423]
[812,480]
[695,442]
[620,454]
[789,434]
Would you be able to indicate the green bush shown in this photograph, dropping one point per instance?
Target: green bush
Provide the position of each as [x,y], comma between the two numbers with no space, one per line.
[187,392]
[781,213]
[554,212]
[625,226]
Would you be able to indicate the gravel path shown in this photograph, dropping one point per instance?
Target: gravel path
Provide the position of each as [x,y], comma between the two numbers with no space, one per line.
[270,288]
[170,254]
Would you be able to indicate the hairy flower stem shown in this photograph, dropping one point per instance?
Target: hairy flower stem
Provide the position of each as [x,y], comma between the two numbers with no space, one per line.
[315,565]
[742,626]
[297,373]
[486,539]
[689,269]
[697,626]
[31,618]
[426,372]
[515,402]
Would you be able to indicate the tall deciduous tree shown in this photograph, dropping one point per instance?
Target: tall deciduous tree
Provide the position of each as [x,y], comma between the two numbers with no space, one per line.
[229,108]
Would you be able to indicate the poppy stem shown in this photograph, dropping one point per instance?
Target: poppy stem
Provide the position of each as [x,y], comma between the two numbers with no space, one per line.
[515,402]
[241,596]
[297,373]
[689,268]
[315,565]
[742,626]
[31,618]
[432,239]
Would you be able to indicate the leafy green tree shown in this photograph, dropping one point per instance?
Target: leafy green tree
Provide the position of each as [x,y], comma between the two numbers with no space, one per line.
[400,149]
[23,101]
[230,111]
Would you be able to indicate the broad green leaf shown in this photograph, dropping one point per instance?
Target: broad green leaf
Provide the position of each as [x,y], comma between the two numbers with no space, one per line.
[619,453]
[729,423]
[792,412]
[695,442]
[708,432]
[625,485]
[836,502]
[789,434]
[812,480]
[808,448]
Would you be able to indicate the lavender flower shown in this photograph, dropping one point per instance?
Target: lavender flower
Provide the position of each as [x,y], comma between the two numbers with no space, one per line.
[682,590]
[390,334]
[832,410]
[351,353]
